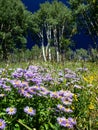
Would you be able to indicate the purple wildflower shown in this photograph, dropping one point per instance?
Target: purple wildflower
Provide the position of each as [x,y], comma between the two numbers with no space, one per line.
[66,101]
[29,110]
[54,95]
[68,123]
[61,120]
[31,90]
[60,74]
[73,121]
[26,94]
[70,76]
[11,110]
[6,88]
[77,86]
[16,83]
[28,74]
[61,107]
[2,124]
[68,94]
[2,95]
[68,110]
[44,91]
[35,88]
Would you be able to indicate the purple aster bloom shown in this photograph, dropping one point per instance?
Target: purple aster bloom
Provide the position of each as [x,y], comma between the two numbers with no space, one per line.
[61,120]
[54,95]
[48,77]
[2,95]
[19,70]
[68,110]
[24,84]
[6,88]
[61,79]
[77,86]
[21,91]
[17,83]
[64,122]
[68,94]
[35,88]
[33,68]
[60,74]
[43,93]
[73,121]
[37,80]
[68,123]
[29,110]
[67,70]
[26,94]
[43,88]
[1,81]
[66,101]
[82,69]
[31,90]
[61,93]
[61,107]
[70,76]
[18,73]
[28,74]
[11,110]
[2,124]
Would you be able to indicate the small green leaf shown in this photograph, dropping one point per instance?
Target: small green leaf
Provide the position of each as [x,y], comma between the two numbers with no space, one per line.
[46,127]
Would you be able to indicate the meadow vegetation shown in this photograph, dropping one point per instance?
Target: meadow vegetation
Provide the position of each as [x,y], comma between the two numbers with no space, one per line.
[49,96]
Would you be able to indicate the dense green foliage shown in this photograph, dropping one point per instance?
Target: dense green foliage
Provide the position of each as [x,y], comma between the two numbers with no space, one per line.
[55,20]
[86,13]
[53,27]
[14,23]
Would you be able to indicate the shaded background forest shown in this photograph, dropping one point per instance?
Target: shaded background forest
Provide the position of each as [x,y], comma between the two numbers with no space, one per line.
[60,31]
[81,39]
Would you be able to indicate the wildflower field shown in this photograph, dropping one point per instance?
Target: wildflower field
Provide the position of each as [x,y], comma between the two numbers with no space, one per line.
[49,96]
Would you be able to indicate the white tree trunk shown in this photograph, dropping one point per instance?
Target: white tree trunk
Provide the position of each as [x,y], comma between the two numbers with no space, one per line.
[50,54]
[48,40]
[57,53]
[43,48]
[56,44]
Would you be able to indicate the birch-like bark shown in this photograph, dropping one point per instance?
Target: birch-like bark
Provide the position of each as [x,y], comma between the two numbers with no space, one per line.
[50,54]
[43,48]
[48,32]
[56,44]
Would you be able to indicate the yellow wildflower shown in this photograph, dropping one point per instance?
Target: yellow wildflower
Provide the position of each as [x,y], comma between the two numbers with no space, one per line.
[72,107]
[75,97]
[91,106]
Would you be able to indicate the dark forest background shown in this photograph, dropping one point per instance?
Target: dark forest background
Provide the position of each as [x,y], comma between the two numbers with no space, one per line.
[82,40]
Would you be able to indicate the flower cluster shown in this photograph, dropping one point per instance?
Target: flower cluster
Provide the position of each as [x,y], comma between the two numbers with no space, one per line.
[33,82]
[62,108]
[68,123]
